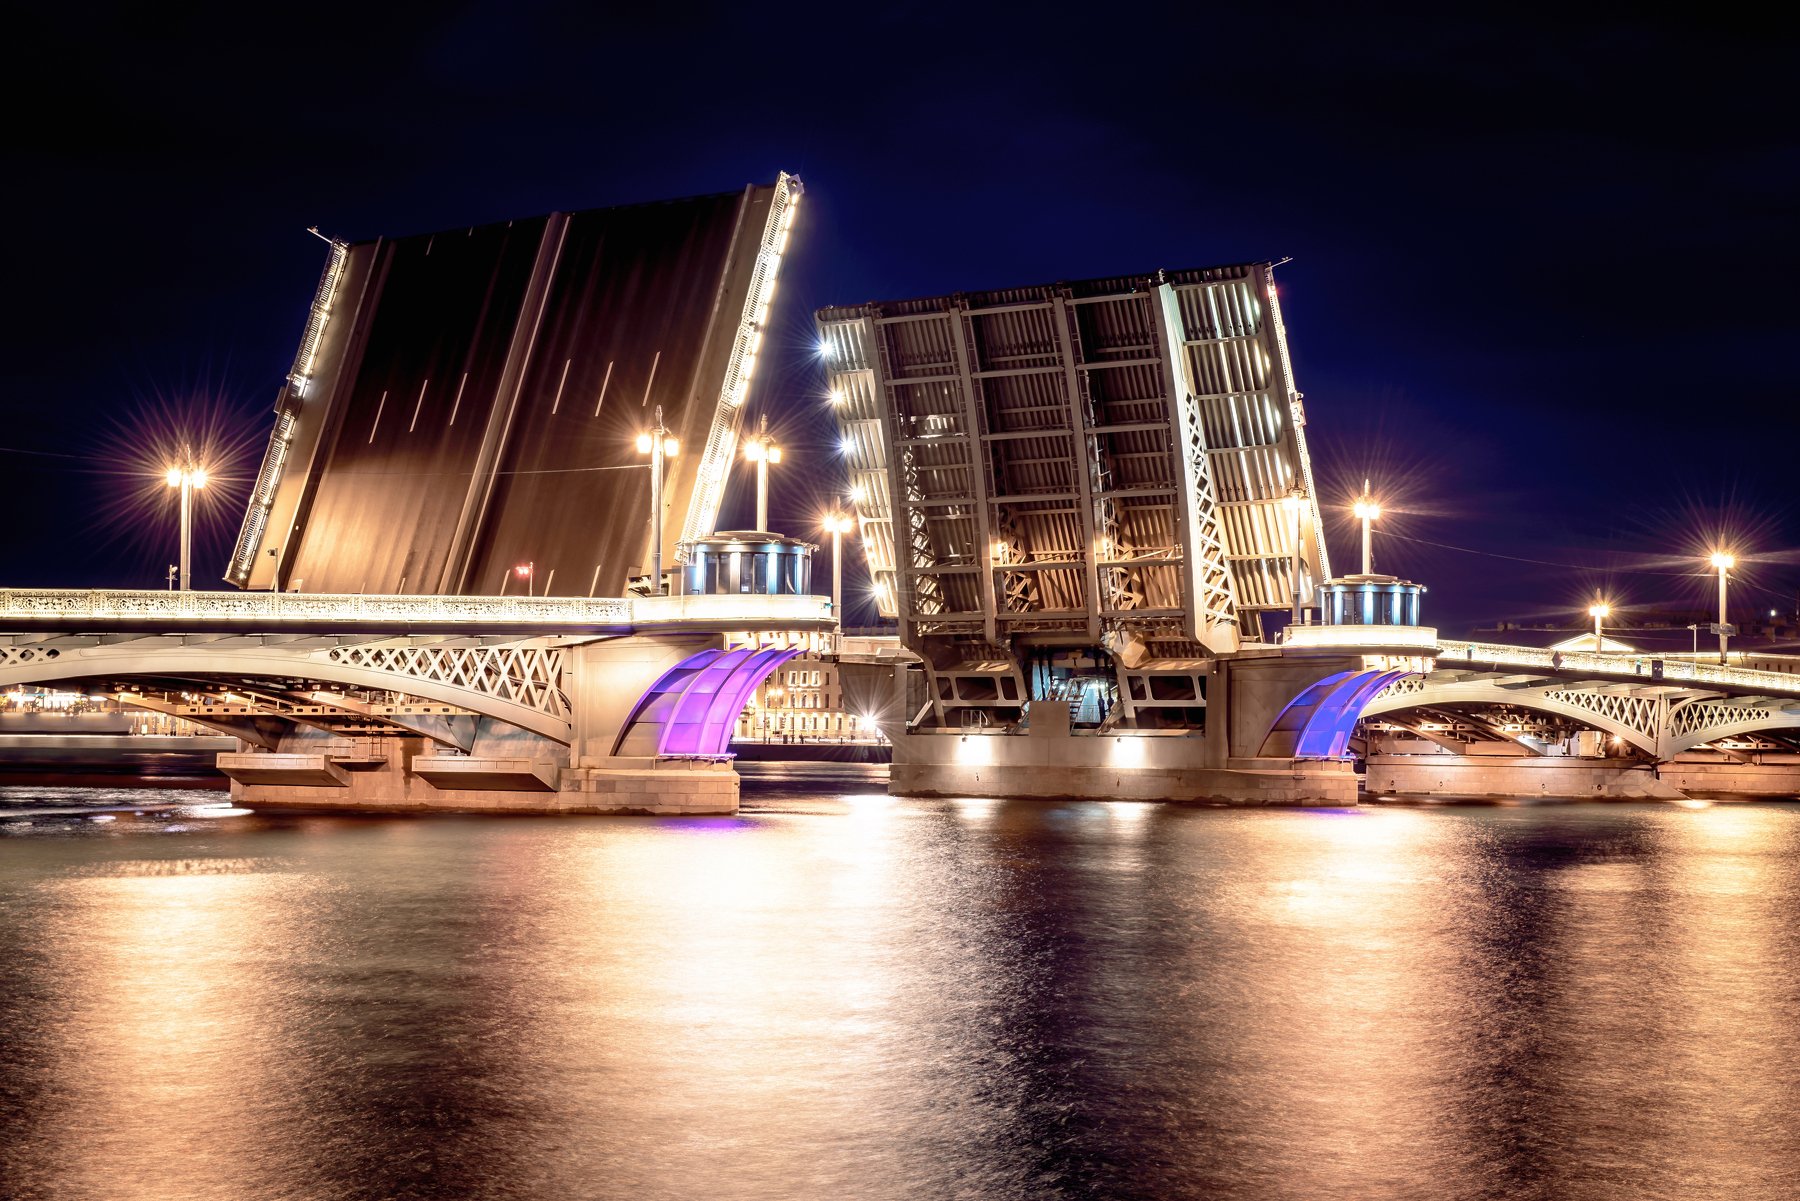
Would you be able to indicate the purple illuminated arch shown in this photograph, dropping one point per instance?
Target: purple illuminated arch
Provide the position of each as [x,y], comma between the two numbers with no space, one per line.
[692,708]
[1323,717]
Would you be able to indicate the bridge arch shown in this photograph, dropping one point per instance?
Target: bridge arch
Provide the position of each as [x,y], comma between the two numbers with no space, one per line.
[693,707]
[1318,723]
[1636,724]
[1697,722]
[526,691]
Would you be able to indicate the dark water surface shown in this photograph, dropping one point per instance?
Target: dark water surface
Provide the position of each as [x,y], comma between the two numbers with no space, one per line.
[857,997]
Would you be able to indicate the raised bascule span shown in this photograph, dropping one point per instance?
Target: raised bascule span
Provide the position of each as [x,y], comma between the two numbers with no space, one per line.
[1088,507]
[466,400]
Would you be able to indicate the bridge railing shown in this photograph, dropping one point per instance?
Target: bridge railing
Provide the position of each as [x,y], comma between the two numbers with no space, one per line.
[1647,667]
[71,607]
[1416,638]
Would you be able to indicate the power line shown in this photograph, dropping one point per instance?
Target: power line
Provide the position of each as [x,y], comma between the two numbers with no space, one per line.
[1736,580]
[518,471]
[42,454]
[1469,550]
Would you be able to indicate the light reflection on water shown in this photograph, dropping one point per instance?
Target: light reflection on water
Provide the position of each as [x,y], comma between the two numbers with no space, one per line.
[863,997]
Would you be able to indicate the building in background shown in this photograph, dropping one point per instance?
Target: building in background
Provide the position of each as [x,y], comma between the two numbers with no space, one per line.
[811,699]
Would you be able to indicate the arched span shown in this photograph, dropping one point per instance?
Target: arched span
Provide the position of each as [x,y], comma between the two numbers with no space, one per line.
[1696,723]
[693,707]
[1318,723]
[1451,696]
[126,662]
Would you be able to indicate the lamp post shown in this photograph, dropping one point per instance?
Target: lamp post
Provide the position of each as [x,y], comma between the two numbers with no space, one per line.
[659,443]
[760,449]
[1599,611]
[187,476]
[528,573]
[837,524]
[1367,509]
[1723,562]
[1295,501]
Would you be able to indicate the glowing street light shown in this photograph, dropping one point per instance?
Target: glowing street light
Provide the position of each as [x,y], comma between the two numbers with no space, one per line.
[1599,611]
[1367,509]
[1723,562]
[659,443]
[837,525]
[1295,501]
[187,476]
[528,573]
[760,449]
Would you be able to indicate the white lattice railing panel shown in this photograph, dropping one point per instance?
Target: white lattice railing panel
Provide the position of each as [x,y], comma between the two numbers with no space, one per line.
[1640,713]
[524,675]
[1404,686]
[11,656]
[1696,716]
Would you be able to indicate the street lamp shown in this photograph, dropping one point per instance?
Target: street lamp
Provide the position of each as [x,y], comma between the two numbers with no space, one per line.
[760,449]
[1723,563]
[772,702]
[1295,501]
[528,573]
[1599,611]
[659,443]
[1367,509]
[188,476]
[837,525]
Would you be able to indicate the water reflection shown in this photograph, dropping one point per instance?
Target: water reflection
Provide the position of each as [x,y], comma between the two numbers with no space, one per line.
[862,997]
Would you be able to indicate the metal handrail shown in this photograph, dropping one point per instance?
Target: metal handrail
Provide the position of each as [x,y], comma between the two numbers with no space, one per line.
[53,605]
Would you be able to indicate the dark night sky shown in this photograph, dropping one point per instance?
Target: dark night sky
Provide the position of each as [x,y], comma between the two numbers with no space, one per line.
[1542,290]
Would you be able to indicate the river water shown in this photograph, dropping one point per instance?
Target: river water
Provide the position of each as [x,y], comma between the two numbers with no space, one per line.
[853,996]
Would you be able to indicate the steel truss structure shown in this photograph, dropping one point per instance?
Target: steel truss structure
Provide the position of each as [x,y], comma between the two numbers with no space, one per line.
[1108,465]
[1660,721]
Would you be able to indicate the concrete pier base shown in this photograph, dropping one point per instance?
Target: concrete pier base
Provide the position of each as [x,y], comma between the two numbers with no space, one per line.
[1426,775]
[408,775]
[1130,766]
[1488,776]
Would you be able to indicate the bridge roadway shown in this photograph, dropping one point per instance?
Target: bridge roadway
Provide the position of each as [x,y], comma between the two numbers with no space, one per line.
[465,702]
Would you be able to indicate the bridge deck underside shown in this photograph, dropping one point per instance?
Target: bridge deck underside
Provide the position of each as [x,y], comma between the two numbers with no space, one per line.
[1538,712]
[1062,464]
[474,389]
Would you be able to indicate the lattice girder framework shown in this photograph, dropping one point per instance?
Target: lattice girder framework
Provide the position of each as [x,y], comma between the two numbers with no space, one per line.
[1103,463]
[521,683]
[1660,722]
[531,676]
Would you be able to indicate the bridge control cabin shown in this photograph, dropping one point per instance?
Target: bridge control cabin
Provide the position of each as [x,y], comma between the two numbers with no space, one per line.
[1369,600]
[747,563]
